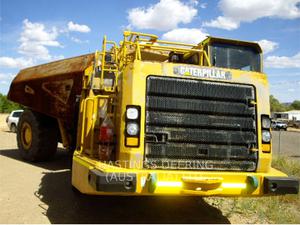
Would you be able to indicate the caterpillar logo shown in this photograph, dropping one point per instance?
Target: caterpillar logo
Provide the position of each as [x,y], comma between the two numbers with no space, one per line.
[202,72]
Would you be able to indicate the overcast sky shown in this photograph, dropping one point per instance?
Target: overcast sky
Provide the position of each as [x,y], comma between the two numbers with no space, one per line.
[39,31]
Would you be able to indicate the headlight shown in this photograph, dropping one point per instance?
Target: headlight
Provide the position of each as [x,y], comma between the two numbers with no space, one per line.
[132,129]
[266,122]
[132,113]
[266,136]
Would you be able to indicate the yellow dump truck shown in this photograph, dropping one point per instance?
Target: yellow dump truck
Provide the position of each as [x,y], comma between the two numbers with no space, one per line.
[153,117]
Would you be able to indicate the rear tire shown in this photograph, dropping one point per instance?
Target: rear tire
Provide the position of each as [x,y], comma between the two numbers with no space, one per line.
[37,136]
[13,128]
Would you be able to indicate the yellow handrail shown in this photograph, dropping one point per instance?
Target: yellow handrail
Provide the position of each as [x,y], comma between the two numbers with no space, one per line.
[148,41]
[168,42]
[95,102]
[160,47]
[138,41]
[103,61]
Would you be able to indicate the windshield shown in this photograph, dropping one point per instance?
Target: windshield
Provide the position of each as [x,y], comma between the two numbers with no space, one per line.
[235,57]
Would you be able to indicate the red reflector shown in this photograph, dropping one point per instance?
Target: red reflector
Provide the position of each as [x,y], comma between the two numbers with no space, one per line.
[106,134]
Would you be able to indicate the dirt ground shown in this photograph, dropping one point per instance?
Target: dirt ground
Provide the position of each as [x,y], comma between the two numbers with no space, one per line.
[42,193]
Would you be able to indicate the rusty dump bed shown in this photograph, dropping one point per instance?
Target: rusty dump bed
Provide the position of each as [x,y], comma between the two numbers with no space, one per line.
[51,88]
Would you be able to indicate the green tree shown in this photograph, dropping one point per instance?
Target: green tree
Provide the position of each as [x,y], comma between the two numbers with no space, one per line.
[276,106]
[7,106]
[296,105]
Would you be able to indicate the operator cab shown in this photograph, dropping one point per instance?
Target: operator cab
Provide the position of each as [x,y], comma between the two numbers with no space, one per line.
[230,54]
[235,54]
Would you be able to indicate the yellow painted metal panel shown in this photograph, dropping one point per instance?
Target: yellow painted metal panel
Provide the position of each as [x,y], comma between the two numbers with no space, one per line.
[173,182]
[131,86]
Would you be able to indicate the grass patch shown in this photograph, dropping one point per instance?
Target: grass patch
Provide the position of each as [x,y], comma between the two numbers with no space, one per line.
[269,209]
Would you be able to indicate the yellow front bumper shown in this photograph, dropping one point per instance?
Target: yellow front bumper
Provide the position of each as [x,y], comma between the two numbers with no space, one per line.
[93,177]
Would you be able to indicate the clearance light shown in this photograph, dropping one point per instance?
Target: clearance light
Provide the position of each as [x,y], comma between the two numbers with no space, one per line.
[168,184]
[234,185]
[266,136]
[132,113]
[265,122]
[132,129]
[132,141]
[265,126]
[132,126]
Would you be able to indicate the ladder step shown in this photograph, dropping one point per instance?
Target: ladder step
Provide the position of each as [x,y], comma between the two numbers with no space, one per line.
[110,70]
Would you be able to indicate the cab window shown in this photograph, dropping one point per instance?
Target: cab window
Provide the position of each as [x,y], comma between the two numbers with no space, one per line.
[235,57]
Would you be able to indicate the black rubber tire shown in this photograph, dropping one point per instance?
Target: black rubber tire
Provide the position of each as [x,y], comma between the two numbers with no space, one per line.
[44,139]
[13,128]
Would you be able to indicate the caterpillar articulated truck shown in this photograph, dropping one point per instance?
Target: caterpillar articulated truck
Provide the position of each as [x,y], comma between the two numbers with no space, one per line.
[153,117]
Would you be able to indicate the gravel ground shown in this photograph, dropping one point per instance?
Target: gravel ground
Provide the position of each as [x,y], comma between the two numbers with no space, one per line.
[41,193]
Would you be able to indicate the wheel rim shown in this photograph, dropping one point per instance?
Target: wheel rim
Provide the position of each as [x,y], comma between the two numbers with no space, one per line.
[26,135]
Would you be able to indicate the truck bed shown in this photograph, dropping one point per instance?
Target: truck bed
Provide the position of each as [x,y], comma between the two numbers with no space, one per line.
[51,88]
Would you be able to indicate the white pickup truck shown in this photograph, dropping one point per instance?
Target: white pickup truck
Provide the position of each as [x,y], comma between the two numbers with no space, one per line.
[13,119]
[279,125]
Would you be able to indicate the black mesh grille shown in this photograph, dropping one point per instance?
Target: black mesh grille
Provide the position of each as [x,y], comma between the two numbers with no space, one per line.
[196,124]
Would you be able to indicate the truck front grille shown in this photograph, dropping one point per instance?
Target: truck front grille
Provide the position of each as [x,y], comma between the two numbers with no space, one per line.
[196,124]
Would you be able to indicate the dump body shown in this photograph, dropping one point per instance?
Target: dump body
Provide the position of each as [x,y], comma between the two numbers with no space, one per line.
[51,88]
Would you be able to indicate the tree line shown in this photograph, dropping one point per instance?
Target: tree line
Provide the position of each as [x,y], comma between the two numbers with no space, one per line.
[7,106]
[276,106]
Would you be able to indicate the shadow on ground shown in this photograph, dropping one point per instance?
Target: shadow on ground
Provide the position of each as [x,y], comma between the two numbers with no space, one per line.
[61,204]
[61,160]
[64,205]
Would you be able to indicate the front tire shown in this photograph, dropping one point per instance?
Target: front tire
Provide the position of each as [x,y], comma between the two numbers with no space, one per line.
[37,136]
